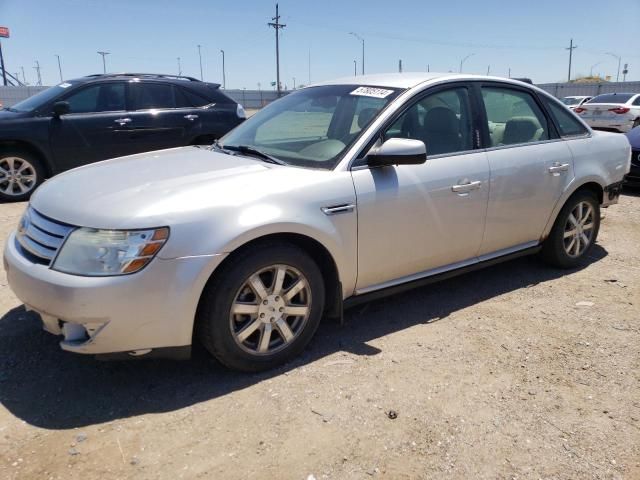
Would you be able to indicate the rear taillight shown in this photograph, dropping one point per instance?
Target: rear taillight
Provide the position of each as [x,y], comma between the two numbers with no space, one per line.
[579,109]
[619,110]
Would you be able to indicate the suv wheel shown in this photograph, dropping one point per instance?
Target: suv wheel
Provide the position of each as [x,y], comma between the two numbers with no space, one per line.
[20,174]
[262,309]
[574,232]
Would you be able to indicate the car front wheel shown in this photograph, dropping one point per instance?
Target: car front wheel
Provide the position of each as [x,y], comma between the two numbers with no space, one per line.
[262,309]
[20,174]
[574,232]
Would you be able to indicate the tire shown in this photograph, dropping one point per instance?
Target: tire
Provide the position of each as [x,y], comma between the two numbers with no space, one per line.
[20,174]
[562,252]
[636,123]
[236,338]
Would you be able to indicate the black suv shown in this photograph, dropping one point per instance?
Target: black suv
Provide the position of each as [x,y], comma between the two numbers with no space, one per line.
[104,116]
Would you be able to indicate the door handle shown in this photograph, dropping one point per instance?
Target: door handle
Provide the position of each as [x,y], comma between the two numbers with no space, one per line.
[556,168]
[191,117]
[465,186]
[122,121]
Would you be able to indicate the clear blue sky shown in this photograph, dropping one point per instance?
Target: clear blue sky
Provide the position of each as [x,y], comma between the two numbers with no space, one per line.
[147,35]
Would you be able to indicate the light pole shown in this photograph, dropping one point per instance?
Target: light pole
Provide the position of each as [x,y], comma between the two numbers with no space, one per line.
[294,83]
[464,60]
[200,56]
[104,63]
[592,67]
[179,67]
[362,40]
[355,68]
[59,67]
[224,77]
[619,60]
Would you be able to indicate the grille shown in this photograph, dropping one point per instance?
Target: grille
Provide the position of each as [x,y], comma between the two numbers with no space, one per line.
[40,237]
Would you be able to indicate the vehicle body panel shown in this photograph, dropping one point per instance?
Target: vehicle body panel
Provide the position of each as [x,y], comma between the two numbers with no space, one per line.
[633,178]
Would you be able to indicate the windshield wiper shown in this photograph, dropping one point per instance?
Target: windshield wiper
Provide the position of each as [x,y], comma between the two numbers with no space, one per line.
[248,150]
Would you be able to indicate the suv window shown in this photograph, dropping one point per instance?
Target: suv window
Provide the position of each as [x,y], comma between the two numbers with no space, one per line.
[513,117]
[147,95]
[441,120]
[187,98]
[566,121]
[104,97]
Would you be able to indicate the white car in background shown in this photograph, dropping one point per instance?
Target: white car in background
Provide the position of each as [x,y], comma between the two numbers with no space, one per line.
[574,101]
[611,111]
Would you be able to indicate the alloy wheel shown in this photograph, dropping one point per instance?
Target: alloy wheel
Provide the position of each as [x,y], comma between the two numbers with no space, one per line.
[578,230]
[270,309]
[17,176]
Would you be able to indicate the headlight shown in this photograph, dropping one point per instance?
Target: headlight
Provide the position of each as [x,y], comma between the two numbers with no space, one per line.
[92,252]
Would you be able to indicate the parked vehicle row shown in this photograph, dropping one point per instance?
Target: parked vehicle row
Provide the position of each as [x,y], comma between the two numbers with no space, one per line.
[334,194]
[574,101]
[611,111]
[104,116]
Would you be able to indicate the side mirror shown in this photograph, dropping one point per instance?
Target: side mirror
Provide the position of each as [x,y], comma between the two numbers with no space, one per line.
[398,151]
[61,108]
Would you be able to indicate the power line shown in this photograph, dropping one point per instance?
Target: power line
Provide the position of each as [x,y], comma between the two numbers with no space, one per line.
[277,26]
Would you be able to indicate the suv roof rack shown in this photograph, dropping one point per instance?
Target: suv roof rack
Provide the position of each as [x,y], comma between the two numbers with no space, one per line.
[157,75]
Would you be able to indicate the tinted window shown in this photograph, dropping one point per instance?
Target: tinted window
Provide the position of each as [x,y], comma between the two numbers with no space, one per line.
[146,96]
[636,101]
[441,120]
[40,98]
[192,99]
[571,100]
[513,117]
[105,97]
[566,121]
[612,98]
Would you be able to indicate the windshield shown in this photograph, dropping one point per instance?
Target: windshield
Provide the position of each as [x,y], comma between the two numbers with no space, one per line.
[40,98]
[612,98]
[314,126]
[571,100]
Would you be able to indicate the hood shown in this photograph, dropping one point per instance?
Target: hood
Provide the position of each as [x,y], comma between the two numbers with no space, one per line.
[9,115]
[634,138]
[150,189]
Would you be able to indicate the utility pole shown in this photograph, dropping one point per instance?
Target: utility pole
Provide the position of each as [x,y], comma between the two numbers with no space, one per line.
[400,66]
[571,48]
[355,68]
[619,60]
[277,26]
[362,40]
[309,66]
[625,70]
[104,63]
[59,67]
[179,67]
[488,69]
[4,74]
[37,68]
[509,72]
[294,83]
[200,56]
[428,69]
[24,79]
[224,75]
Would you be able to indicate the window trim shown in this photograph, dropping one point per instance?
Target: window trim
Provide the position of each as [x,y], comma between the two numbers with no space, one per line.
[174,88]
[554,135]
[357,163]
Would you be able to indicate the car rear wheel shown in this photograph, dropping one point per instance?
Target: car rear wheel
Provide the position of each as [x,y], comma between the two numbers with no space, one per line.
[636,123]
[262,309]
[20,174]
[574,232]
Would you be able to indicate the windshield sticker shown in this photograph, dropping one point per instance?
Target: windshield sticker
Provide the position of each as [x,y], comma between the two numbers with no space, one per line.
[372,92]
[64,85]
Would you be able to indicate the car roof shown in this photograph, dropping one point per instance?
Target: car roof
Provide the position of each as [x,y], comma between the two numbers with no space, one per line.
[410,79]
[577,96]
[176,79]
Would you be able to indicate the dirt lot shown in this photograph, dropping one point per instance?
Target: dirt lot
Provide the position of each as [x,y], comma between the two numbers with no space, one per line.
[519,371]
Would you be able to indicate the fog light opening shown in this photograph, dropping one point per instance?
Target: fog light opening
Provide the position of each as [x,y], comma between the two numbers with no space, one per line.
[74,333]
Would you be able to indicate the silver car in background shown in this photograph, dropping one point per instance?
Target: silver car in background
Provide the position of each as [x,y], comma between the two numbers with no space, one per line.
[611,111]
[574,101]
[336,193]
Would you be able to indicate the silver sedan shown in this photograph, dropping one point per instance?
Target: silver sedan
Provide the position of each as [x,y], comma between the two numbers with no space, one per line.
[332,195]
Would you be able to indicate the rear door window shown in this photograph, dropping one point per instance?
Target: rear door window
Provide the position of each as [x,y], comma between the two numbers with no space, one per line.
[513,117]
[147,96]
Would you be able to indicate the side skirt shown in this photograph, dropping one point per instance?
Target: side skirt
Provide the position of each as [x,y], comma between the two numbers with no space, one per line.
[385,292]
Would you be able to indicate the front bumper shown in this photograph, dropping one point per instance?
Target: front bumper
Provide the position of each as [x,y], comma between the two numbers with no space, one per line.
[137,313]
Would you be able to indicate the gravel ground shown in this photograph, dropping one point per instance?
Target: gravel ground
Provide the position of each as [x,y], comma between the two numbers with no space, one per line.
[517,371]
